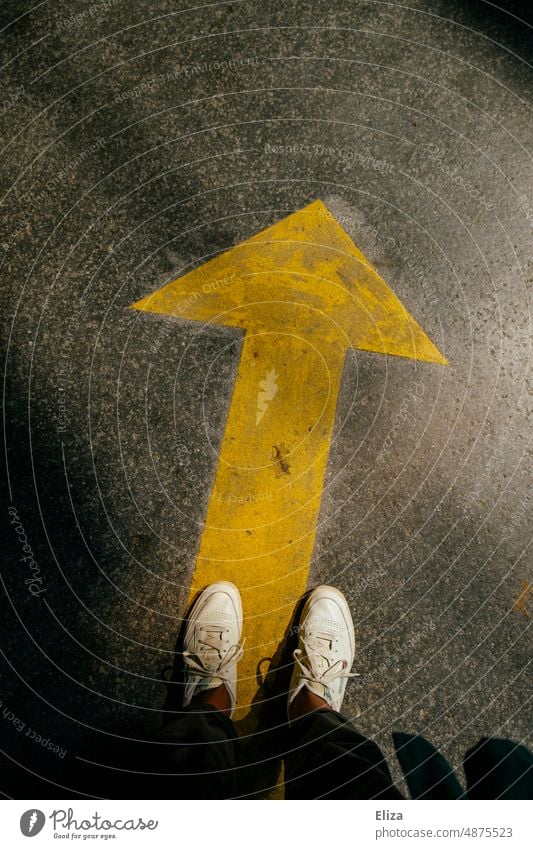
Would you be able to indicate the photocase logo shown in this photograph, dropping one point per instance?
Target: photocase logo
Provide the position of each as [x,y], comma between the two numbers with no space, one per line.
[32,822]
[267,390]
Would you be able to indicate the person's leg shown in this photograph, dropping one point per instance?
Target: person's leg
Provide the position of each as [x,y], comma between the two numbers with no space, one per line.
[194,755]
[496,768]
[328,757]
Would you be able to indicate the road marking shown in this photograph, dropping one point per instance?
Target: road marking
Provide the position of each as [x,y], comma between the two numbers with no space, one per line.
[304,294]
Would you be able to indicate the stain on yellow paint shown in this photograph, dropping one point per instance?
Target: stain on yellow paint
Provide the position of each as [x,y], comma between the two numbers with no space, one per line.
[279,455]
[304,294]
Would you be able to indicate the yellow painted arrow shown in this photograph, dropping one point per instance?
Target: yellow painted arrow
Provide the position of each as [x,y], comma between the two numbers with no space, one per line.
[304,293]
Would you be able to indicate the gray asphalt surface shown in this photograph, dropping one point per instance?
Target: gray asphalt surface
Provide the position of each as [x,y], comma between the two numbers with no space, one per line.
[140,139]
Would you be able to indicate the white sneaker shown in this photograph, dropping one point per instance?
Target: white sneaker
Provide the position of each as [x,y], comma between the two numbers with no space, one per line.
[211,647]
[326,647]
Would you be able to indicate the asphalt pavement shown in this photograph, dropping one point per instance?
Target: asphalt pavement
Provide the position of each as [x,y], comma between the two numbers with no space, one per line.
[139,141]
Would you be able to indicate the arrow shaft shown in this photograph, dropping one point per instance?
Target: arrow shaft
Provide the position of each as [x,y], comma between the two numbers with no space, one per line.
[260,525]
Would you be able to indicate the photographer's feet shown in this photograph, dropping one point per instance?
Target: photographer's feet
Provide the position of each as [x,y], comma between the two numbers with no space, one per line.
[322,661]
[212,648]
[325,653]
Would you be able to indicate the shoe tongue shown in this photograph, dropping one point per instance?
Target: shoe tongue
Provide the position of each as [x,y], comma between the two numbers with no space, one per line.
[320,645]
[210,639]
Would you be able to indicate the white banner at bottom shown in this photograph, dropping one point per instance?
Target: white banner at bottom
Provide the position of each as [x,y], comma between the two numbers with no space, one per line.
[236,824]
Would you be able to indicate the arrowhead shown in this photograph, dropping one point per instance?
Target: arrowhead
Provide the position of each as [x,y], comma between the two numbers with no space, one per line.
[302,275]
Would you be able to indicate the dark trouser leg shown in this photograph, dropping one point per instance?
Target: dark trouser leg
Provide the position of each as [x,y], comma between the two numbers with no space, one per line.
[330,759]
[499,769]
[192,757]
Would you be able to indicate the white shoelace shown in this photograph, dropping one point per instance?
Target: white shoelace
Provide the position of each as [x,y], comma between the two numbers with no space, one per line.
[331,671]
[212,637]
